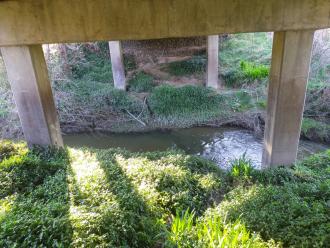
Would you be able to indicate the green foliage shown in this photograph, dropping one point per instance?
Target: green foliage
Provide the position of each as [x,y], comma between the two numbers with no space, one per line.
[315,130]
[245,57]
[240,100]
[290,206]
[38,218]
[241,168]
[95,65]
[117,100]
[24,170]
[196,64]
[211,230]
[113,198]
[108,198]
[168,101]
[252,71]
[9,149]
[141,82]
[170,181]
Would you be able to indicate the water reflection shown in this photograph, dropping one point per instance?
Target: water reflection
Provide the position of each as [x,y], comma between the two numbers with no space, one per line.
[218,144]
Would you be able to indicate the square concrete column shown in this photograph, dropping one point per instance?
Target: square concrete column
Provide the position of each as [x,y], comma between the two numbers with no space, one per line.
[118,69]
[212,61]
[28,77]
[286,95]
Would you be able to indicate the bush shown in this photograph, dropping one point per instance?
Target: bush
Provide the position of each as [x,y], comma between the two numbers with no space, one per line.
[239,101]
[315,130]
[252,71]
[290,206]
[141,82]
[117,100]
[168,101]
[94,65]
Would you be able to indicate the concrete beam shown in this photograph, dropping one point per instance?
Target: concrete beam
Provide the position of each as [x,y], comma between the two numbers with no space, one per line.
[61,21]
[213,61]
[117,64]
[286,95]
[27,74]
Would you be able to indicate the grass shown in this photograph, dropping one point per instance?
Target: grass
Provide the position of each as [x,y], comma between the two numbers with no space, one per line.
[167,100]
[197,64]
[113,198]
[141,82]
[253,72]
[245,58]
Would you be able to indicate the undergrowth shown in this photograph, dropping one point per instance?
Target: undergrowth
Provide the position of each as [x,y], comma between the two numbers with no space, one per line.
[315,130]
[197,64]
[114,198]
[141,82]
[169,101]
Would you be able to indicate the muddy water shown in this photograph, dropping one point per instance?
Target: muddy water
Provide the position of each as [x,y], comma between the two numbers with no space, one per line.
[218,144]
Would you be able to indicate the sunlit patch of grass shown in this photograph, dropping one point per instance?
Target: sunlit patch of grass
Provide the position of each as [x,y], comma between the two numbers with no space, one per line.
[6,205]
[114,198]
[104,210]
[211,230]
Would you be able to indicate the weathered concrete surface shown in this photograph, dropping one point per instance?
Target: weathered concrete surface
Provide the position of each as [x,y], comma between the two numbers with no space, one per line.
[286,95]
[117,64]
[50,21]
[27,74]
[212,61]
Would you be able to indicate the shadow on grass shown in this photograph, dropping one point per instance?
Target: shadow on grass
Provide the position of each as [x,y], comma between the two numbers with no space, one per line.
[294,214]
[139,225]
[35,200]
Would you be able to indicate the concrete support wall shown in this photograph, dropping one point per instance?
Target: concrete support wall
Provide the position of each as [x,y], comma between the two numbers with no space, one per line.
[212,61]
[27,74]
[117,63]
[286,95]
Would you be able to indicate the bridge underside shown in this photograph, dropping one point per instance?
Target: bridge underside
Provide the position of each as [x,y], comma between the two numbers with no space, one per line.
[26,24]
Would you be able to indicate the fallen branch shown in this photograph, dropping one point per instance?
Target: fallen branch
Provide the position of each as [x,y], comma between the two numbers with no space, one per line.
[135,118]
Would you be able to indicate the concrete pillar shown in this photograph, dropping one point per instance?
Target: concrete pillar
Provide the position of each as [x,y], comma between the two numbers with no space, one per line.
[27,74]
[286,95]
[118,70]
[212,61]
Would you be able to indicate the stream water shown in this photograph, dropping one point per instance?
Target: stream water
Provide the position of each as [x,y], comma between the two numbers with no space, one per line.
[218,144]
